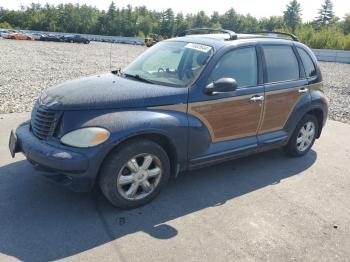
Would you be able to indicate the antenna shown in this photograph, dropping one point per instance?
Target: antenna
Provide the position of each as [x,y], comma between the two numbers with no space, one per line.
[110,58]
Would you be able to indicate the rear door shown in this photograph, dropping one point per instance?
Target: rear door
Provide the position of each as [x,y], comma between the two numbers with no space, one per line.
[285,84]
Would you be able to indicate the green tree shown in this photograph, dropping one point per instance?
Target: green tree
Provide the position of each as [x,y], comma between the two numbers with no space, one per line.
[326,14]
[215,17]
[346,24]
[5,25]
[230,20]
[272,23]
[167,23]
[139,21]
[292,15]
[201,20]
[180,24]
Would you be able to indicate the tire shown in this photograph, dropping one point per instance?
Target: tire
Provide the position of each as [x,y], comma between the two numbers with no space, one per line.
[296,148]
[116,172]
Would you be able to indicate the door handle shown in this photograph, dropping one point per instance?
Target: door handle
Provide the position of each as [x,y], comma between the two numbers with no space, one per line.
[303,90]
[257,98]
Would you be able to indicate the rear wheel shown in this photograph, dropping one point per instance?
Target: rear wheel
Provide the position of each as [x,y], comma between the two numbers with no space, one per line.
[134,174]
[303,137]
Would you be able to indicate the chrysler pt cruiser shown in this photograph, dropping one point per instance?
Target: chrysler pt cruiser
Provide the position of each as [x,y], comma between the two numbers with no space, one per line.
[187,102]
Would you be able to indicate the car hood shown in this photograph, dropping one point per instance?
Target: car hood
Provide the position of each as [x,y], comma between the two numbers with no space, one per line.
[109,91]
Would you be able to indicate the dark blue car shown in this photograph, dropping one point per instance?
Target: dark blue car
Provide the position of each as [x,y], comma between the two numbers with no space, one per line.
[185,103]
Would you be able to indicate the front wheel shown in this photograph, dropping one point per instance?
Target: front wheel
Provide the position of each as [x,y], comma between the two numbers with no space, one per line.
[134,174]
[303,137]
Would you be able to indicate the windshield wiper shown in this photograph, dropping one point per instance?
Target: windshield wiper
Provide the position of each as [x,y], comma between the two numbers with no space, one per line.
[138,77]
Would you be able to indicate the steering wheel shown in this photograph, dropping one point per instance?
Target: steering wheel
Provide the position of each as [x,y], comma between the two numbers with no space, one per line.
[161,70]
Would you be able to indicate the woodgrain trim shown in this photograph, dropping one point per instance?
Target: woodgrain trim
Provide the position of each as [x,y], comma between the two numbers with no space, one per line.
[178,107]
[222,115]
[279,105]
[229,118]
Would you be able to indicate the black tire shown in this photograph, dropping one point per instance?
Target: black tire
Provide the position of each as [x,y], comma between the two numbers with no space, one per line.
[116,161]
[292,148]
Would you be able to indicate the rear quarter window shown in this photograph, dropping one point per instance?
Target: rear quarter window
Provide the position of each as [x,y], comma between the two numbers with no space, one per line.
[309,66]
[281,63]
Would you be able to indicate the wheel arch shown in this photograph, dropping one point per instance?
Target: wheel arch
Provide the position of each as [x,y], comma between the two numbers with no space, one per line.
[318,113]
[161,139]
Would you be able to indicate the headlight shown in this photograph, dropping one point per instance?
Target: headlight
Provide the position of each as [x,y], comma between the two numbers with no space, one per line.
[85,137]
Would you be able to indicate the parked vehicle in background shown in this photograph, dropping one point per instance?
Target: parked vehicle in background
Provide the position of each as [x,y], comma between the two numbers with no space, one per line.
[6,32]
[19,36]
[51,38]
[37,36]
[3,33]
[75,39]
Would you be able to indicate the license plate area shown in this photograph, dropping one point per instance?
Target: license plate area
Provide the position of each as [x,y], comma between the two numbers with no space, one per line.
[13,144]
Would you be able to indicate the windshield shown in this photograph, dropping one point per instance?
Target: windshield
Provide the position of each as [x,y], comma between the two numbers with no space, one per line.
[170,63]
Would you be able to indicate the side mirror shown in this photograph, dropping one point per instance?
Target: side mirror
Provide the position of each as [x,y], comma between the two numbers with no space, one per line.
[221,85]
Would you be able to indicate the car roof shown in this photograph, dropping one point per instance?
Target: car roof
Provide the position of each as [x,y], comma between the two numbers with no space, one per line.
[218,41]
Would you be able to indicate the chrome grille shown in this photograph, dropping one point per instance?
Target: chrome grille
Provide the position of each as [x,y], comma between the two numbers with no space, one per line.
[43,122]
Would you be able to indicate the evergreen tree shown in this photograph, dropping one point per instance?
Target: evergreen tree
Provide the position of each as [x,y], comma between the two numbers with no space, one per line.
[326,14]
[180,24]
[201,20]
[292,16]
[167,23]
[346,24]
[272,23]
[140,21]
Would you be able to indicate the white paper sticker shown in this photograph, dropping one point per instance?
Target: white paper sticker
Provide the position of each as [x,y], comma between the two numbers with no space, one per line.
[198,47]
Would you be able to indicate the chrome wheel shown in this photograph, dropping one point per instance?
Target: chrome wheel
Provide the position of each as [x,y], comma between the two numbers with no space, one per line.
[139,176]
[306,136]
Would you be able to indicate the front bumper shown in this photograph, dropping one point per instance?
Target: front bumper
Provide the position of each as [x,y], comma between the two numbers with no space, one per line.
[76,169]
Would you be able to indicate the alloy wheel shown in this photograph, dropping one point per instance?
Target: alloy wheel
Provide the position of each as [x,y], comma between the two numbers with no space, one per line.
[306,136]
[139,177]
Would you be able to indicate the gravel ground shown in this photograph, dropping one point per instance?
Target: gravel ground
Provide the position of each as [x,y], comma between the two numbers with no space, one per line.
[336,78]
[28,67]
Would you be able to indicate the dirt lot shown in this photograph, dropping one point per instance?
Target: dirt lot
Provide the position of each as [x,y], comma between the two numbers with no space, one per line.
[28,67]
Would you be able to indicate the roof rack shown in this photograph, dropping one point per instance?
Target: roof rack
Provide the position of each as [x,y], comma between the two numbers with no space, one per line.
[293,37]
[232,35]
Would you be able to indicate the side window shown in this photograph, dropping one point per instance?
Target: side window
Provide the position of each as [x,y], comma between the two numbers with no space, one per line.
[240,64]
[309,66]
[281,63]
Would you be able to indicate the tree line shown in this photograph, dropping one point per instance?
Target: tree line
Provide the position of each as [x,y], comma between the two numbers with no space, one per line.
[326,31]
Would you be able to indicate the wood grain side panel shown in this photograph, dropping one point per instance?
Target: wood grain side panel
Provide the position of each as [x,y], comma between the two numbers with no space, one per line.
[229,119]
[178,107]
[278,106]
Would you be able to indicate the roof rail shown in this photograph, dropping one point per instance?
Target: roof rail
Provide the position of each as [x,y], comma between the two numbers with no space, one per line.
[232,34]
[293,37]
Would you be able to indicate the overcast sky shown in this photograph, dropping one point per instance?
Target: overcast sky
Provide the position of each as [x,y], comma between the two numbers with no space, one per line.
[257,8]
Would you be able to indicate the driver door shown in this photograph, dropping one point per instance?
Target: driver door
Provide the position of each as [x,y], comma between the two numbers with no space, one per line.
[231,118]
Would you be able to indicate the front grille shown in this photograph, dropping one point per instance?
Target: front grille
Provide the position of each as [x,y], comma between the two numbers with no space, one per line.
[43,122]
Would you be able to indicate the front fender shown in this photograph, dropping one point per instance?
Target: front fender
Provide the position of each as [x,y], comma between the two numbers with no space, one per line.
[132,123]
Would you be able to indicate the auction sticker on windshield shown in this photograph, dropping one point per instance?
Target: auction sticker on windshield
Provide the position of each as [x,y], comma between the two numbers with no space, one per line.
[199,47]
